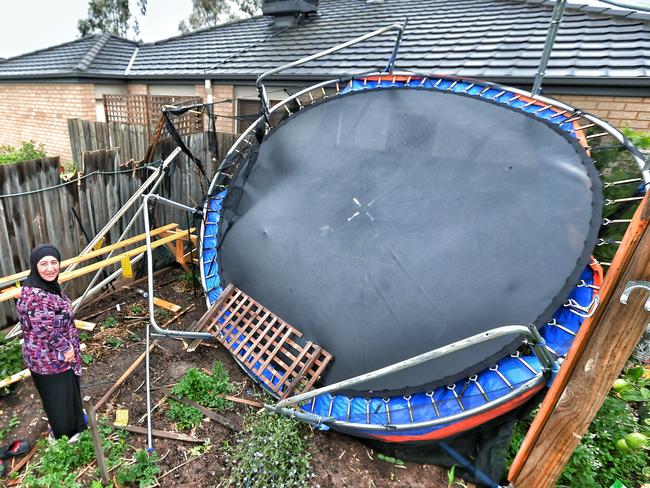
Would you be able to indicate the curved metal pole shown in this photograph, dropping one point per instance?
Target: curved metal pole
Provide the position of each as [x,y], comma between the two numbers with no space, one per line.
[264,99]
[414,361]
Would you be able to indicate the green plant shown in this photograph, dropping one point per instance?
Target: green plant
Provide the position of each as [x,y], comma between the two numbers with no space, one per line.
[271,452]
[87,359]
[597,461]
[83,336]
[115,342]
[189,278]
[136,309]
[451,479]
[60,460]
[142,472]
[11,358]
[202,388]
[11,425]
[26,152]
[108,323]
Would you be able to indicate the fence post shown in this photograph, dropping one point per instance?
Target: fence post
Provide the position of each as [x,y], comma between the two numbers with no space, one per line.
[97,440]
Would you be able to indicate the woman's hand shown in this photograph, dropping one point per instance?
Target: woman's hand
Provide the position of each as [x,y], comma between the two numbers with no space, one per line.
[68,356]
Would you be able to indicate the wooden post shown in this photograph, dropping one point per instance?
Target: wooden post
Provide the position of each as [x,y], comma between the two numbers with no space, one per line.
[97,441]
[619,330]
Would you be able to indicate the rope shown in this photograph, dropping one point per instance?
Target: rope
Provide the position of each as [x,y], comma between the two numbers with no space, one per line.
[77,180]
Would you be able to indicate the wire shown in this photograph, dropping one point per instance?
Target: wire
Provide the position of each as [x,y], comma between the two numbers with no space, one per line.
[77,180]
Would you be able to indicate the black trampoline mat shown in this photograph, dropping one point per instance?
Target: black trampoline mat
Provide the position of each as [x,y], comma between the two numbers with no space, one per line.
[386,223]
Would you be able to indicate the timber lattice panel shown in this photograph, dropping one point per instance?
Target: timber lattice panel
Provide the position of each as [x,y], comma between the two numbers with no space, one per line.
[264,343]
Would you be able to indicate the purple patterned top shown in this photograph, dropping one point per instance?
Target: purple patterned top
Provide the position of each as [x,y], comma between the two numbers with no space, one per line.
[47,323]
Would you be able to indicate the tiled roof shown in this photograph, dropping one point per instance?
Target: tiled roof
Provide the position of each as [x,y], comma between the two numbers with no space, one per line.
[479,38]
[493,39]
[100,55]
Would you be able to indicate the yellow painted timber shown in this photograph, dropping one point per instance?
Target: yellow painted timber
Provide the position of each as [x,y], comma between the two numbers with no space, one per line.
[83,325]
[69,275]
[166,305]
[104,250]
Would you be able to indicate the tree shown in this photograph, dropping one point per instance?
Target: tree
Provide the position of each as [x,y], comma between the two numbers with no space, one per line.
[208,13]
[112,16]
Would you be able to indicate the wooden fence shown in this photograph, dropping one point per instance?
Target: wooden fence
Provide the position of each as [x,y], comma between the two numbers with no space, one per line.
[36,206]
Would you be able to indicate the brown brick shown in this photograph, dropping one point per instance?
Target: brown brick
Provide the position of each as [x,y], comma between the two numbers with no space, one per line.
[637,124]
[644,116]
[621,114]
[611,105]
[641,107]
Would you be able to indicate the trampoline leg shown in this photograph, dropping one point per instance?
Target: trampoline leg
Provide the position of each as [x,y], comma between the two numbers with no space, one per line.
[468,466]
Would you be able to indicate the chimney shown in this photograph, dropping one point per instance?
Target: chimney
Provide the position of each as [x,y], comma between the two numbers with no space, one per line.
[288,12]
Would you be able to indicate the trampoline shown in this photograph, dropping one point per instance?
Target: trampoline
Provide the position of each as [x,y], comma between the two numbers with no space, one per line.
[394,217]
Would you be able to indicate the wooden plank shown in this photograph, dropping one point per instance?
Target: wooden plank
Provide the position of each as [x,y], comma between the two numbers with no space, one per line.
[628,245]
[15,378]
[97,440]
[83,325]
[163,434]
[172,307]
[618,331]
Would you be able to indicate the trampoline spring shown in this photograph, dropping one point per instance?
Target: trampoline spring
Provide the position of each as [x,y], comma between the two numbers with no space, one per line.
[299,104]
[469,87]
[554,352]
[554,323]
[329,410]
[408,406]
[498,95]
[394,79]
[545,107]
[532,102]
[583,127]
[485,90]
[387,402]
[365,82]
[622,182]
[474,379]
[572,118]
[452,388]
[453,85]
[517,356]
[437,83]
[616,221]
[495,369]
[600,134]
[604,242]
[604,263]
[433,402]
[338,88]
[579,310]
[248,142]
[347,414]
[609,201]
[516,97]
[367,400]
[424,80]
[562,112]
[313,404]
[584,284]
[322,88]
[310,97]
[408,80]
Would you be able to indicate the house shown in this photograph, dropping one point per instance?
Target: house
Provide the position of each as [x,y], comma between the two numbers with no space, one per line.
[600,61]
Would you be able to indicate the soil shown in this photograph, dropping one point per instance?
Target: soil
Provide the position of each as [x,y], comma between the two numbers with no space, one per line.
[337,460]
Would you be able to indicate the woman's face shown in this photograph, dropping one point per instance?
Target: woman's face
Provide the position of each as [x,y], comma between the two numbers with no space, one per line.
[48,268]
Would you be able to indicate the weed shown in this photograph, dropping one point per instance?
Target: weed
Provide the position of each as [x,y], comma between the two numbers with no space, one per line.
[108,323]
[451,479]
[60,460]
[189,278]
[136,309]
[11,425]
[11,358]
[115,342]
[202,388]
[83,336]
[142,472]
[271,452]
[87,359]
[163,314]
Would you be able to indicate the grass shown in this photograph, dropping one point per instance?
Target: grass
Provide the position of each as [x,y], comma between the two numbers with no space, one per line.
[11,358]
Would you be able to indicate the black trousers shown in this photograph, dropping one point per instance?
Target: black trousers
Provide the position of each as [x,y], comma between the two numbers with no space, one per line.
[61,397]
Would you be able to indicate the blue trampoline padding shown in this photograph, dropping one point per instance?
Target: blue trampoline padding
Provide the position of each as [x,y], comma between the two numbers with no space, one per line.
[209,244]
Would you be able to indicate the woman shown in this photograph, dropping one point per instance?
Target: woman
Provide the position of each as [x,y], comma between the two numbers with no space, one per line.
[51,342]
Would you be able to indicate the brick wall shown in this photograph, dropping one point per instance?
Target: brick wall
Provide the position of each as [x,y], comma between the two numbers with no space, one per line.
[220,93]
[39,112]
[632,112]
[137,89]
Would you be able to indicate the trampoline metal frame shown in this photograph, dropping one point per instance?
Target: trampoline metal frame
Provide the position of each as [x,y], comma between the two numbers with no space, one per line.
[530,332]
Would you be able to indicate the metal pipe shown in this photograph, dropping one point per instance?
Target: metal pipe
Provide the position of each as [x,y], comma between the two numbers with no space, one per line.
[154,179]
[411,362]
[262,89]
[556,19]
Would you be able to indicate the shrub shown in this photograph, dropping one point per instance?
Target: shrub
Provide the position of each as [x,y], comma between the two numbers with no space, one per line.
[142,472]
[11,359]
[271,452]
[27,152]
